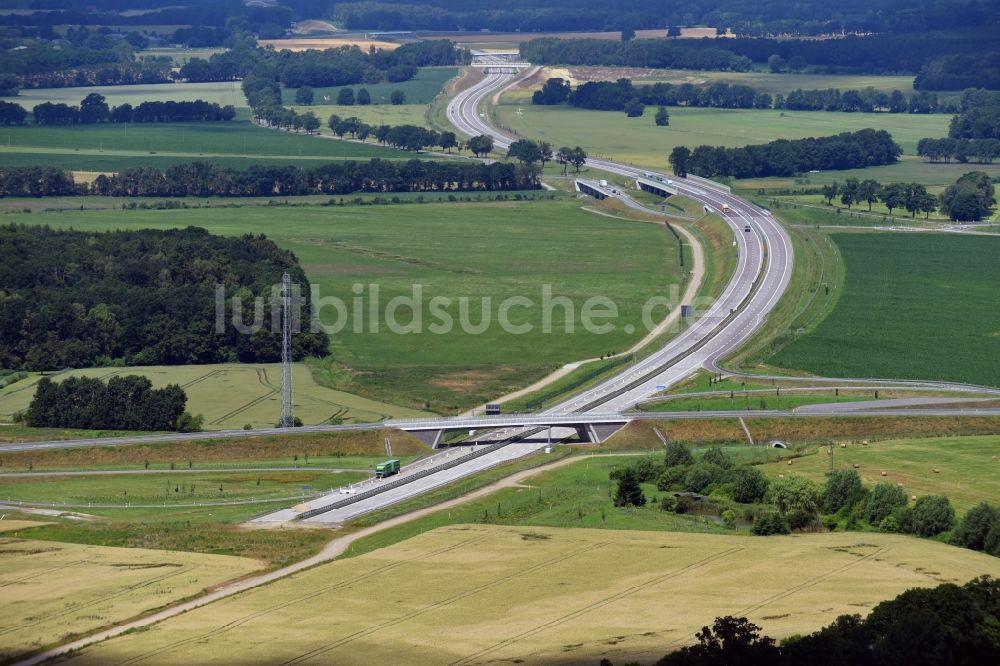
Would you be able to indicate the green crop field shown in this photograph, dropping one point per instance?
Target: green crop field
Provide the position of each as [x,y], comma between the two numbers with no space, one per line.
[53,592]
[421,89]
[910,169]
[475,593]
[190,141]
[640,141]
[224,92]
[912,307]
[230,396]
[166,489]
[968,471]
[456,250]
[784,83]
[751,401]
[374,115]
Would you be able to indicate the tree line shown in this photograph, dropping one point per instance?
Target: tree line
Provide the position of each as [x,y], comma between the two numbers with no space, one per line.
[138,298]
[619,95]
[206,179]
[973,133]
[94,109]
[969,199]
[911,196]
[784,157]
[947,625]
[346,65]
[376,175]
[127,402]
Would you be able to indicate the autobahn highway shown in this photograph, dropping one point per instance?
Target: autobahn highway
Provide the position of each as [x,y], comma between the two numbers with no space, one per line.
[762,273]
[760,278]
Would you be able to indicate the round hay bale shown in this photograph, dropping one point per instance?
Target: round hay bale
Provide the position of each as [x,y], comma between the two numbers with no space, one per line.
[857,466]
[781,476]
[937,471]
[843,445]
[885,474]
[789,462]
[913,498]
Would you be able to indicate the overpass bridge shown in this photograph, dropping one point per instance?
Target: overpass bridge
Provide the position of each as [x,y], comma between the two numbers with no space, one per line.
[501,62]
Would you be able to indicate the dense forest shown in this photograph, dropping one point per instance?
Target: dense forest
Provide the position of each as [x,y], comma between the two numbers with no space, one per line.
[848,150]
[139,297]
[766,18]
[617,95]
[770,17]
[874,54]
[125,403]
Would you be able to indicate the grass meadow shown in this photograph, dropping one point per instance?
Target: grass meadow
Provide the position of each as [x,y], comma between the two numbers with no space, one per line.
[913,307]
[167,489]
[968,472]
[53,592]
[471,593]
[639,141]
[145,143]
[222,92]
[419,90]
[475,250]
[909,169]
[231,396]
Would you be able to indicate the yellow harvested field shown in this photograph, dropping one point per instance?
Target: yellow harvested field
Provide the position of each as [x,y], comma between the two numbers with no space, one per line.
[230,395]
[51,592]
[314,43]
[472,594]
[15,525]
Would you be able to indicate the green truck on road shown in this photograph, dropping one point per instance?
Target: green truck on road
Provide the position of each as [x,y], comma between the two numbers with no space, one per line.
[387,468]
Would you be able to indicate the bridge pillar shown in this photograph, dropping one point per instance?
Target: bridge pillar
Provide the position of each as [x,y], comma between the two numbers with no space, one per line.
[431,438]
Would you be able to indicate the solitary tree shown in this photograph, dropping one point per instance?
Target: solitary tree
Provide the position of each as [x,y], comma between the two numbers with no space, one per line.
[364,97]
[776,63]
[679,158]
[447,140]
[579,158]
[544,152]
[843,488]
[830,190]
[868,192]
[749,485]
[976,525]
[629,492]
[397,97]
[564,156]
[849,193]
[884,498]
[662,118]
[481,145]
[304,96]
[677,454]
[893,196]
[345,97]
[333,121]
[932,514]
[525,151]
[310,123]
